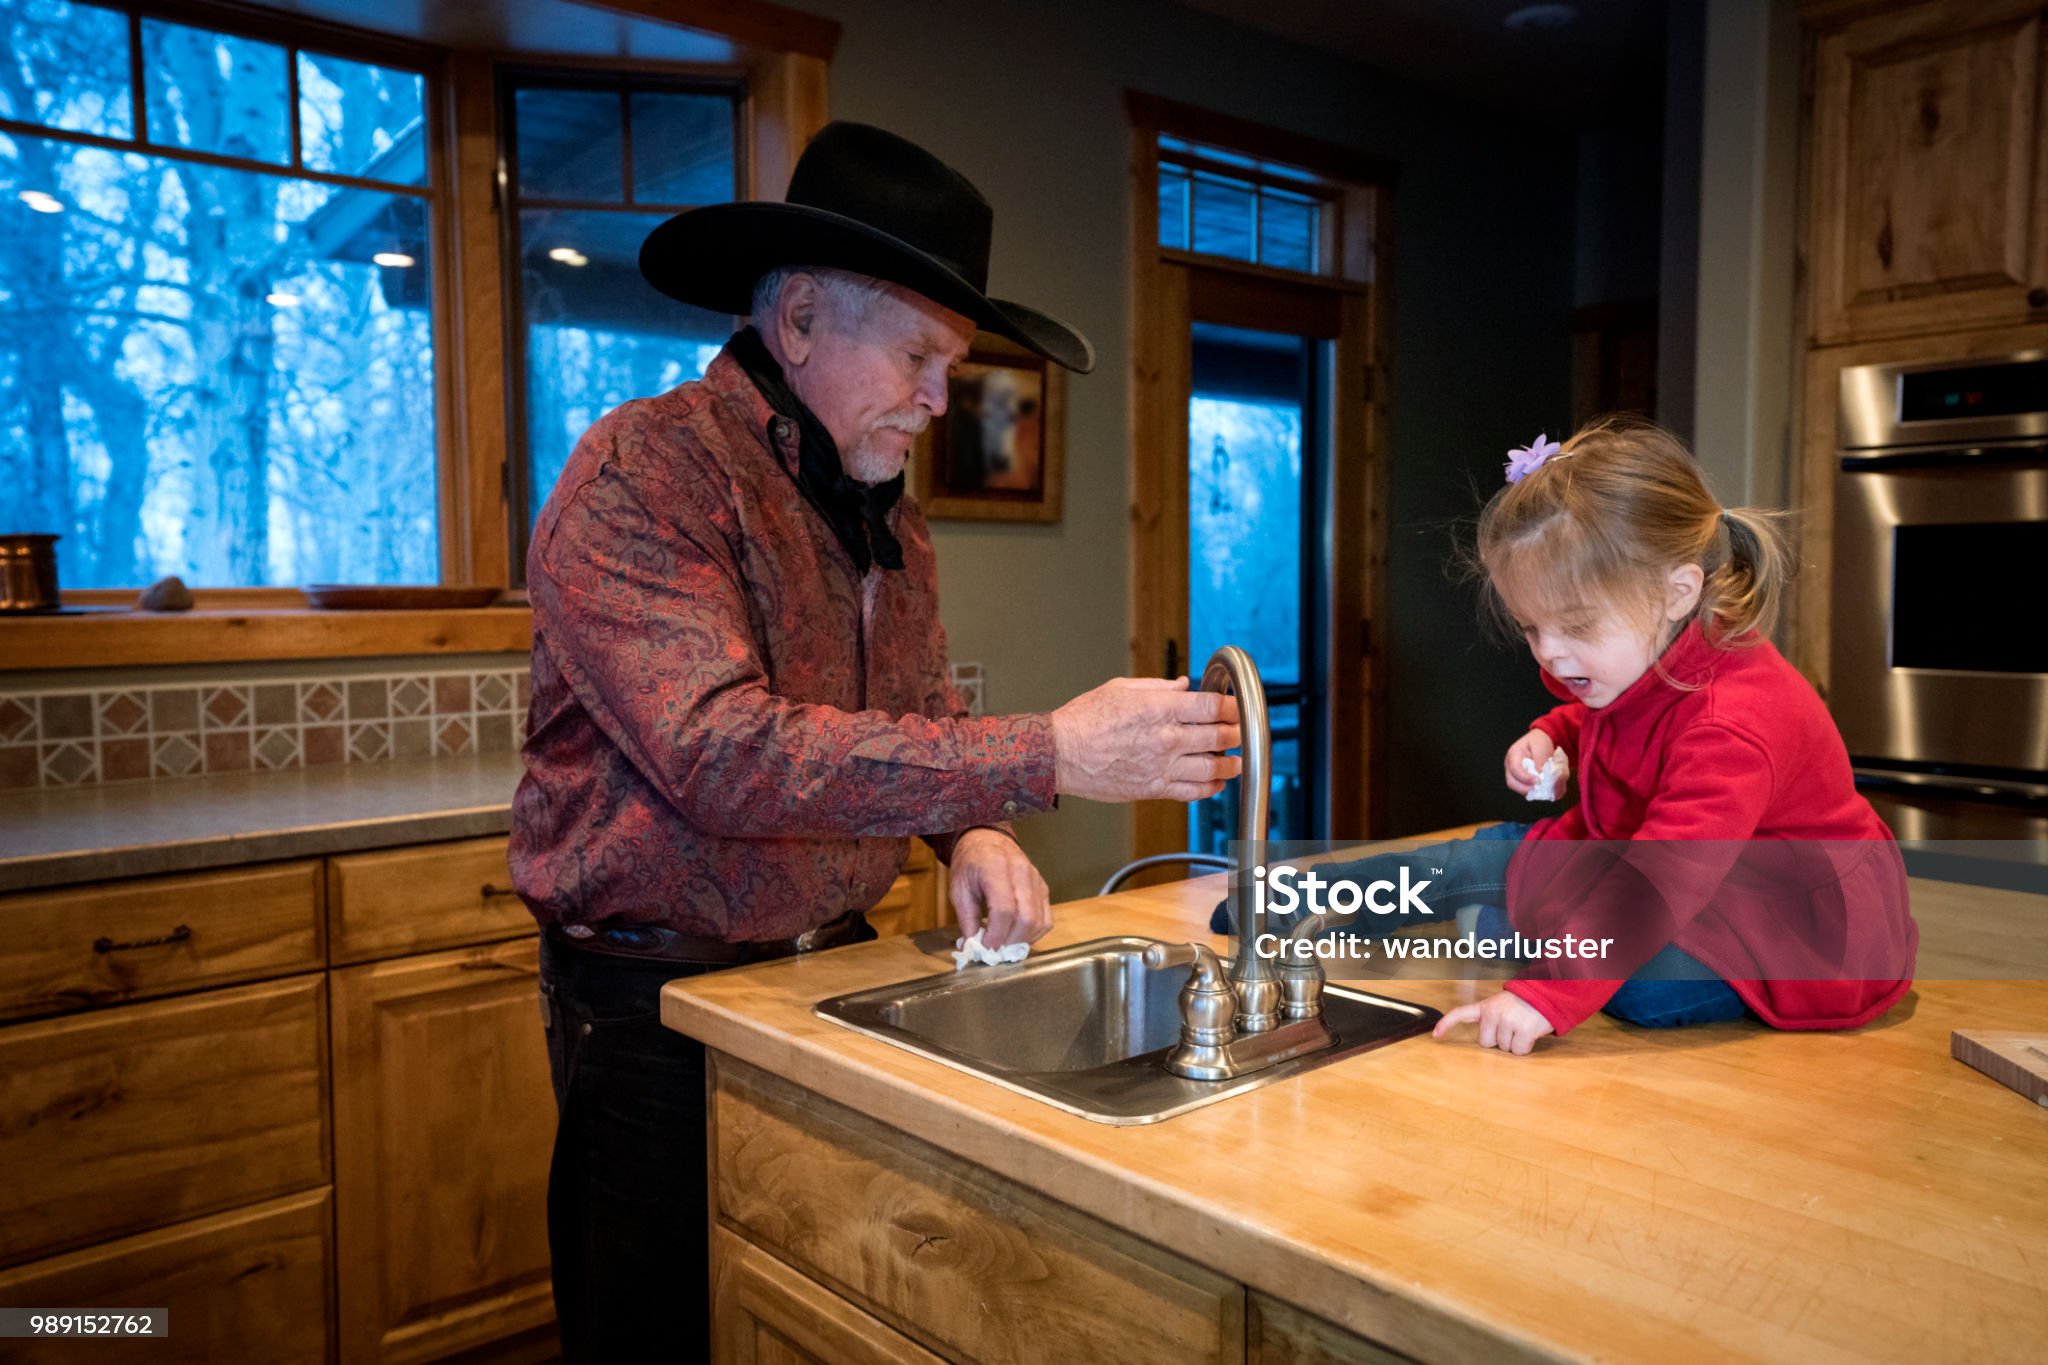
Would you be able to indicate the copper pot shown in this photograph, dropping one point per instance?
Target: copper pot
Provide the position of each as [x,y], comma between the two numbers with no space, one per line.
[28,572]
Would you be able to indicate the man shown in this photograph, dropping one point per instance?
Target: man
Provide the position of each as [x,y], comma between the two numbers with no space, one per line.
[741,707]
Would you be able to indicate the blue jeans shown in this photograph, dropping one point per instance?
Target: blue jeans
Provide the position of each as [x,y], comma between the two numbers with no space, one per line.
[1672,989]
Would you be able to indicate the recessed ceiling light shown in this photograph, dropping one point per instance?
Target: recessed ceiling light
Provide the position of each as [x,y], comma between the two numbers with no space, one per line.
[1541,18]
[568,255]
[41,202]
[396,259]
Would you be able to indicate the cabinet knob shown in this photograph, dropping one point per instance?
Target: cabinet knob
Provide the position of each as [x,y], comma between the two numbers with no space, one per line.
[2037,297]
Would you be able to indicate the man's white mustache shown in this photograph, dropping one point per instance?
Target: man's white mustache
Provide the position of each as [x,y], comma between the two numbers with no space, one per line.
[912,422]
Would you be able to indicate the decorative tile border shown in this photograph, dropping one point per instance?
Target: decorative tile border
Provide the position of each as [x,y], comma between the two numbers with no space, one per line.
[130,734]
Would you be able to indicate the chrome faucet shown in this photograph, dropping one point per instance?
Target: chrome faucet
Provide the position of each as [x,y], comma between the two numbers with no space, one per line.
[1261,1012]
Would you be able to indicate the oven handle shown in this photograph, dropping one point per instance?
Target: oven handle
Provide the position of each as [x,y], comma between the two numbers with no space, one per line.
[1982,788]
[2026,452]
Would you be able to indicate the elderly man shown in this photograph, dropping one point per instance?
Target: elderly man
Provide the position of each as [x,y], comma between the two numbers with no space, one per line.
[741,706]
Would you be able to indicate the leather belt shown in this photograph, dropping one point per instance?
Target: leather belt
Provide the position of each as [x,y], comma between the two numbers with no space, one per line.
[643,941]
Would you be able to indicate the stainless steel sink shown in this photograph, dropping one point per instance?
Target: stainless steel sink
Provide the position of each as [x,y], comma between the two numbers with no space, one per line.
[1087,1029]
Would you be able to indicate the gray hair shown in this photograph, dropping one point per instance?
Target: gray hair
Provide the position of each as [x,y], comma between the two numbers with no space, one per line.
[852,296]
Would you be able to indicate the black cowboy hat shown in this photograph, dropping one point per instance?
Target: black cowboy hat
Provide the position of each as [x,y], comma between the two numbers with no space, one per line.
[864,200]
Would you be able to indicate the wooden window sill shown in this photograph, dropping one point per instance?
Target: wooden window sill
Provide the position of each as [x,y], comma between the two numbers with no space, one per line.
[226,634]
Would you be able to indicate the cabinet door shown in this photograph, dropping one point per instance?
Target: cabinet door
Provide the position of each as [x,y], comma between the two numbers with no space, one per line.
[250,1286]
[913,899]
[1929,209]
[443,1125]
[765,1313]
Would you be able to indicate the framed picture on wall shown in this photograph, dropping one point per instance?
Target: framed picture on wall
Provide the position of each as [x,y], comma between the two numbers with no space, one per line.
[998,452]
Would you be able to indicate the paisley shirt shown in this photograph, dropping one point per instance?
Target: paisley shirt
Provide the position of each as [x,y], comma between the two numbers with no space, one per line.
[733,732]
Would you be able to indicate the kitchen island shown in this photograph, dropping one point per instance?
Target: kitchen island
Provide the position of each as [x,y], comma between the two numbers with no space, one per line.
[1714,1193]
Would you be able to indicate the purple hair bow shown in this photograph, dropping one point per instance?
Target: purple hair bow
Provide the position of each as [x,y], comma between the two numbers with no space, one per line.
[1525,460]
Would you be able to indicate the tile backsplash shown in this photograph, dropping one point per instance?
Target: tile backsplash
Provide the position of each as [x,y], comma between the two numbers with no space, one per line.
[78,737]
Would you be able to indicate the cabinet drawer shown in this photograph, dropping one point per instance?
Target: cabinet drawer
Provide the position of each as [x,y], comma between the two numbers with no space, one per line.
[96,945]
[411,900]
[953,1256]
[121,1120]
[764,1313]
[249,1286]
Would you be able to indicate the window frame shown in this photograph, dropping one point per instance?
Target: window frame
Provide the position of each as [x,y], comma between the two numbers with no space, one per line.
[783,101]
[627,78]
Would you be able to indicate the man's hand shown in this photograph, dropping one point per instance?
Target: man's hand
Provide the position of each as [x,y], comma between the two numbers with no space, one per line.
[1135,739]
[997,891]
[1534,746]
[1505,1020]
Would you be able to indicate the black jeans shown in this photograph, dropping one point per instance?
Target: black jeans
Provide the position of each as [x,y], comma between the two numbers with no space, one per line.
[628,1212]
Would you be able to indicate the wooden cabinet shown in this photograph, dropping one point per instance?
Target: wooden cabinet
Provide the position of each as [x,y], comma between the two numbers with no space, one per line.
[838,1238]
[978,1267]
[764,1313]
[317,1120]
[914,900]
[186,1152]
[1928,183]
[253,1286]
[444,1121]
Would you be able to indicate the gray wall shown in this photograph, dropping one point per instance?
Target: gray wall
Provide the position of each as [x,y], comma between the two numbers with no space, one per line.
[1025,97]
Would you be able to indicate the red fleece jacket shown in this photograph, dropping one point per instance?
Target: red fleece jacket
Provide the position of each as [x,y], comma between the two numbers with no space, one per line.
[1746,752]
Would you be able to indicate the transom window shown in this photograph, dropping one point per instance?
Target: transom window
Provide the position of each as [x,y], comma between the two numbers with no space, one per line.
[1220,203]
[217,330]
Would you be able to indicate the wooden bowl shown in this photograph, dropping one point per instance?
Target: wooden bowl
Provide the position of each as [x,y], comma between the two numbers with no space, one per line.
[403,597]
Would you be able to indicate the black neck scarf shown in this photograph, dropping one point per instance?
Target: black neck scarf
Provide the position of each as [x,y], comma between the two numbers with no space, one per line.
[857,512]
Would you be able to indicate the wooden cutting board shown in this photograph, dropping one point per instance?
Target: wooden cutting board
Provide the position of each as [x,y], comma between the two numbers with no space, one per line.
[2018,1060]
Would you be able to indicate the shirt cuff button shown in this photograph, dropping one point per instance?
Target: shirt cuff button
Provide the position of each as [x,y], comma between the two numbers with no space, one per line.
[1009,807]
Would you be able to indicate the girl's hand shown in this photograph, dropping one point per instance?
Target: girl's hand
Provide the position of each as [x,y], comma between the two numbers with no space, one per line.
[1537,748]
[1505,1020]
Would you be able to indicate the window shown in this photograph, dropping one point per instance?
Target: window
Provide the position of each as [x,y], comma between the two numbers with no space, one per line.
[1218,203]
[594,164]
[217,330]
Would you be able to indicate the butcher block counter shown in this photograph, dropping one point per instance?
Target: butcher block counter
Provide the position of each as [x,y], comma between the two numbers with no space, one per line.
[1714,1193]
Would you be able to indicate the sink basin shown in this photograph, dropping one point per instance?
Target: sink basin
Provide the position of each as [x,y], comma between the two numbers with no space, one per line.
[1087,1028]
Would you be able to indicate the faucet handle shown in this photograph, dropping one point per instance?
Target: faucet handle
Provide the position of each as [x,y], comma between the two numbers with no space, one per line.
[1208,973]
[1208,1005]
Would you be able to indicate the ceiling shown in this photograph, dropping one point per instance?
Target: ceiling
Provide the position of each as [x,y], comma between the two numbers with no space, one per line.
[554,26]
[1607,63]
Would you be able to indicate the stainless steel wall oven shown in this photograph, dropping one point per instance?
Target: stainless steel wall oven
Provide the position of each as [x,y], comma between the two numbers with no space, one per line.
[1939,628]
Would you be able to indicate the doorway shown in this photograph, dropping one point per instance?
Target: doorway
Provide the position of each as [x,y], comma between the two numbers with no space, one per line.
[1258,409]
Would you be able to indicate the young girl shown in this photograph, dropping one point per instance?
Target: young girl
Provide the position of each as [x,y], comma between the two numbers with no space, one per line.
[1719,850]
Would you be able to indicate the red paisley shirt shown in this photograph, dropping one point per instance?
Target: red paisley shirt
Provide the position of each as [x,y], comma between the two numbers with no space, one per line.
[733,733]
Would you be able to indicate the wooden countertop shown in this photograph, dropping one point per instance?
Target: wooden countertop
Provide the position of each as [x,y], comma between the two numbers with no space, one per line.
[1712,1193]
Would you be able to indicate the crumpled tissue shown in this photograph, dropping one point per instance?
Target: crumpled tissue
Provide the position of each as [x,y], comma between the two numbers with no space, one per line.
[1550,781]
[975,951]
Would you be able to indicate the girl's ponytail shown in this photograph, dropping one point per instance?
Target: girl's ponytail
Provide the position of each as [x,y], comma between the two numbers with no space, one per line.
[1746,590]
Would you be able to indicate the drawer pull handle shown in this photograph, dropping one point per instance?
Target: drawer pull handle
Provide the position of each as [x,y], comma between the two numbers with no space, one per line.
[104,944]
[491,889]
